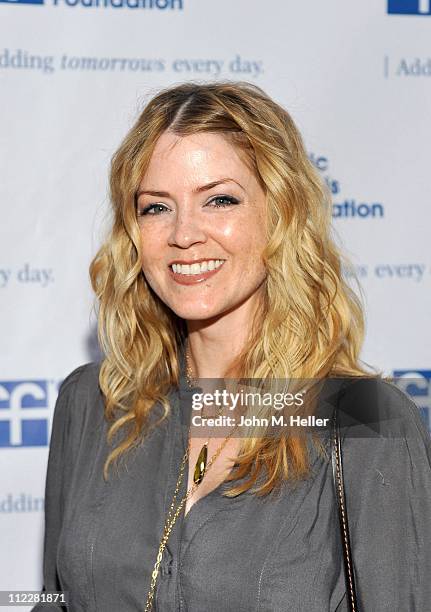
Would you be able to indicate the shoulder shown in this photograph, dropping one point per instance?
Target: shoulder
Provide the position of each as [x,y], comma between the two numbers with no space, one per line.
[78,395]
[85,377]
[386,448]
[384,439]
[378,407]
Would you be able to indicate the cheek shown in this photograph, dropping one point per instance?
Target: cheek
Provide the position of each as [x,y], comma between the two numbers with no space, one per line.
[151,247]
[236,233]
[229,229]
[245,237]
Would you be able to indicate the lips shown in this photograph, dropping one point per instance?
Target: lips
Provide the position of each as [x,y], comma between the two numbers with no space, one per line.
[196,267]
[197,271]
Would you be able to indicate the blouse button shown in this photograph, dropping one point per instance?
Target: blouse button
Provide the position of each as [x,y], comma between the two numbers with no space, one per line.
[166,564]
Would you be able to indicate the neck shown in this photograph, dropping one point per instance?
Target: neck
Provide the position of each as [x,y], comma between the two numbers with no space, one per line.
[214,344]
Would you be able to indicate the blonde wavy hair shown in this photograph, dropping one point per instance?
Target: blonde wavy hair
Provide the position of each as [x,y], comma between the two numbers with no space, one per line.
[311,323]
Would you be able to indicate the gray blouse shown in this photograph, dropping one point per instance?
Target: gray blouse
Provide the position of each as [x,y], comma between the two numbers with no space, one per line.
[270,554]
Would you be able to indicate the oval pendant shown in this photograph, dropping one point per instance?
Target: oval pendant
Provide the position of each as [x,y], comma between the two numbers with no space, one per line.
[201,465]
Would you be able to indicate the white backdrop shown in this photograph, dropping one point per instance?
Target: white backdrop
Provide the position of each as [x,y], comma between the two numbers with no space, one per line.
[356,77]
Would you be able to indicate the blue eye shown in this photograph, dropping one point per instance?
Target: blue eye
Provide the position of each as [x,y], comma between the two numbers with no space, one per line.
[152,209]
[228,201]
[157,209]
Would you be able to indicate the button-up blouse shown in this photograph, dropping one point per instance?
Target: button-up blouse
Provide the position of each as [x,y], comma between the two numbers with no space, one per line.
[278,553]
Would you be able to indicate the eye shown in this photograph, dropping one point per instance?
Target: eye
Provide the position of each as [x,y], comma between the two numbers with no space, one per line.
[151,209]
[223,201]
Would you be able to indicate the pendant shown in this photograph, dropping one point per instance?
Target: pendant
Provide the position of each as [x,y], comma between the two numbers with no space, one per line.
[201,465]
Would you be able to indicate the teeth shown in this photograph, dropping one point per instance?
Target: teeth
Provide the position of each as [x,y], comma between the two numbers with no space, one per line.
[197,268]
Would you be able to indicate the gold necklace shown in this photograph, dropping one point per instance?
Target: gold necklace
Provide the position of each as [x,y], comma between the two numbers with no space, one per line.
[201,462]
[172,517]
[174,514]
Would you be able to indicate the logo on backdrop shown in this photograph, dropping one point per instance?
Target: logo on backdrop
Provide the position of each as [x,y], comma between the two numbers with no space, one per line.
[412,66]
[132,4]
[417,384]
[345,208]
[25,412]
[409,7]
[23,1]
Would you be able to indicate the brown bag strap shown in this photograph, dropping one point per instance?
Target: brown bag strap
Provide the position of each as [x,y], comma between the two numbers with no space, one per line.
[337,473]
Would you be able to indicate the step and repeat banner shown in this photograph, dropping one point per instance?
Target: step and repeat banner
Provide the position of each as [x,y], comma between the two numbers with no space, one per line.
[74,74]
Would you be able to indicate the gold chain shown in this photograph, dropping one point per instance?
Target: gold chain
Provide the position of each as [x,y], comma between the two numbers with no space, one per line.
[191,381]
[173,515]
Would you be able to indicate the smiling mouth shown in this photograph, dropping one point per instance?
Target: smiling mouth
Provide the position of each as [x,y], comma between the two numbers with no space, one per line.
[195,273]
[198,268]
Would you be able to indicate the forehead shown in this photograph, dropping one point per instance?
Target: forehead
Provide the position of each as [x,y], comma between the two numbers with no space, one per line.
[193,158]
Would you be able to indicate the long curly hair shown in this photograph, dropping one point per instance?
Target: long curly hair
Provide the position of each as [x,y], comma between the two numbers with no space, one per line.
[311,324]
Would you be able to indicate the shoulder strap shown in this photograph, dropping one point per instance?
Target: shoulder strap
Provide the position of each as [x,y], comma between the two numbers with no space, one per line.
[337,473]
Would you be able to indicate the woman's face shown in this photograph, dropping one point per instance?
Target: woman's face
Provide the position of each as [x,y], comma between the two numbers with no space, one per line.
[201,213]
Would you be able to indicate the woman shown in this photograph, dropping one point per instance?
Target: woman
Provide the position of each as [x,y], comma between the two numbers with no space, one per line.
[220,264]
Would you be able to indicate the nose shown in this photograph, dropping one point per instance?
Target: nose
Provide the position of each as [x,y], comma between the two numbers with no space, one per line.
[187,229]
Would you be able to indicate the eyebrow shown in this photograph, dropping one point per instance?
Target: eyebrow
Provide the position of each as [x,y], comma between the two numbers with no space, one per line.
[166,194]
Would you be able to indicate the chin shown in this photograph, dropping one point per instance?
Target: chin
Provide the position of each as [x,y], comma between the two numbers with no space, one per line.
[196,313]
